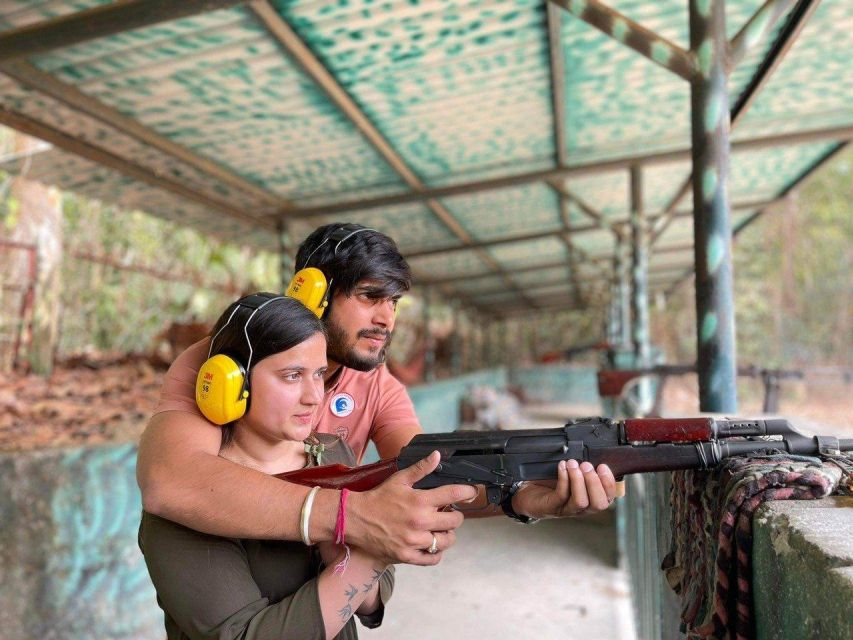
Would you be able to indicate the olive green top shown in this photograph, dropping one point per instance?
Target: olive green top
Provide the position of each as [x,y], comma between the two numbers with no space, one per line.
[214,587]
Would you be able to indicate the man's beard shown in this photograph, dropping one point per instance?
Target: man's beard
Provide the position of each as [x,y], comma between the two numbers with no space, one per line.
[339,350]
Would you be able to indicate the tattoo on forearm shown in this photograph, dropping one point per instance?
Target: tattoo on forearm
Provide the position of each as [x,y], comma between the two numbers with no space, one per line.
[345,613]
[351,592]
[373,580]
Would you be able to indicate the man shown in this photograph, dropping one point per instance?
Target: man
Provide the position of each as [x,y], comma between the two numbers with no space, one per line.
[183,479]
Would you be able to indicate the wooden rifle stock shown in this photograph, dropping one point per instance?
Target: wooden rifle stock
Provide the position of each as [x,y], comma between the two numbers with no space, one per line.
[339,476]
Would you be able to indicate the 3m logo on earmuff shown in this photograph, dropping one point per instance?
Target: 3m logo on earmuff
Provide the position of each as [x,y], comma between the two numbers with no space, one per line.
[309,286]
[219,391]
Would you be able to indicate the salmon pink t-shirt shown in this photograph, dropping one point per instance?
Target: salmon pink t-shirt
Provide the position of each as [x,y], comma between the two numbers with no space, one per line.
[359,406]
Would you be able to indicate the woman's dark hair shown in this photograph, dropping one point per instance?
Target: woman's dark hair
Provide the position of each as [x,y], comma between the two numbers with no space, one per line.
[278,326]
[365,255]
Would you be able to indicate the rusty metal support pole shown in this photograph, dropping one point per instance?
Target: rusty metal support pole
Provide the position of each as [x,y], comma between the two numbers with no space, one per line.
[611,321]
[716,355]
[484,344]
[456,341]
[640,285]
[429,340]
[533,340]
[504,359]
[285,250]
[639,271]
[623,300]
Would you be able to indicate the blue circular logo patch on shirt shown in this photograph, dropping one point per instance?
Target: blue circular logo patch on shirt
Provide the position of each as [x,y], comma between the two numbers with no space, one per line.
[342,405]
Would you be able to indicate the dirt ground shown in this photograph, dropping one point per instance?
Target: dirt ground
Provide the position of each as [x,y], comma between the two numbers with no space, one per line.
[78,405]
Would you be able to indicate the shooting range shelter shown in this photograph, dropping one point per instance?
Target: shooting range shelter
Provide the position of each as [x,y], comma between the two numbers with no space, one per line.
[528,156]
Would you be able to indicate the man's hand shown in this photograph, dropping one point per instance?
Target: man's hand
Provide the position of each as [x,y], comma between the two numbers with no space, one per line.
[396,523]
[579,489]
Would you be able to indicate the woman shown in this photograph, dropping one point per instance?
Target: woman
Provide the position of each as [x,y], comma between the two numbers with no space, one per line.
[215,587]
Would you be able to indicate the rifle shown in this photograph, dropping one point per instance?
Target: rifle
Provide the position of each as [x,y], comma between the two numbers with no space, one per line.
[638,445]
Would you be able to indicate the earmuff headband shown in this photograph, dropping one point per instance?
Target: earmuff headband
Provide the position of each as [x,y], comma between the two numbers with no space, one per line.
[246,330]
[256,302]
[333,236]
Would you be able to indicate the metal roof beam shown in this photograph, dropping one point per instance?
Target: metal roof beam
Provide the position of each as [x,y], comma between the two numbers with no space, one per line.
[789,33]
[591,213]
[101,156]
[558,93]
[479,276]
[293,45]
[840,133]
[485,244]
[99,22]
[556,303]
[798,19]
[30,76]
[662,272]
[634,35]
[504,311]
[755,30]
[565,303]
[540,235]
[558,110]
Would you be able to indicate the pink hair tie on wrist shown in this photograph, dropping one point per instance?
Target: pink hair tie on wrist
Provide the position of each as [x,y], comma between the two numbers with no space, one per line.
[340,530]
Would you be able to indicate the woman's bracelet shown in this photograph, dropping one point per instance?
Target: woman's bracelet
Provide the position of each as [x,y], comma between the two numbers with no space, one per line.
[305,516]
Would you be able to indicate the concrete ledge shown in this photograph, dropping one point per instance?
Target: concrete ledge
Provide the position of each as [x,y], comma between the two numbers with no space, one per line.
[803,569]
[70,566]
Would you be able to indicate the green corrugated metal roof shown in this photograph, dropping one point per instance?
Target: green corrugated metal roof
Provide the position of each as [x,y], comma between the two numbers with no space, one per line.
[461,90]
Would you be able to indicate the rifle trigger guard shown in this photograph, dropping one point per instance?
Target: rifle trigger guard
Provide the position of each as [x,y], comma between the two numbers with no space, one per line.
[494,494]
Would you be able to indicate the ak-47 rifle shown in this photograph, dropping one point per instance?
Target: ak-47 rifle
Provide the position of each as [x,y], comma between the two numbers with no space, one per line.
[499,459]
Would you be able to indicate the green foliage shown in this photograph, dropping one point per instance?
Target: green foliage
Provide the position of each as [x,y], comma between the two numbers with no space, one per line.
[794,291]
[108,308]
[793,285]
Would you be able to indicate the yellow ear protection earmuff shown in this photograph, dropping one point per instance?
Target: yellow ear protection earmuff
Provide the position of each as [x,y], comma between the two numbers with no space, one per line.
[309,284]
[222,385]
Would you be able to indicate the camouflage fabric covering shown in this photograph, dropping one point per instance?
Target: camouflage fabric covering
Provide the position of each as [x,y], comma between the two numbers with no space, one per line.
[709,562]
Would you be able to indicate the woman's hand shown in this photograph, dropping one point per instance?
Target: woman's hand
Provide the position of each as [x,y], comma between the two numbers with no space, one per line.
[578,489]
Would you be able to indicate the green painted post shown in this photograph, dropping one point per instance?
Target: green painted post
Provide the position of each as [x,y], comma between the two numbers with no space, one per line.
[716,356]
[640,282]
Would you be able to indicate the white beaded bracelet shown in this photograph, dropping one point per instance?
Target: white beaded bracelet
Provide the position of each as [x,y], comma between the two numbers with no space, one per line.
[305,516]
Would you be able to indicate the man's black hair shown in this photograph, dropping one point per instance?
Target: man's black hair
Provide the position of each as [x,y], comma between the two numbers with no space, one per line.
[278,326]
[365,255]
